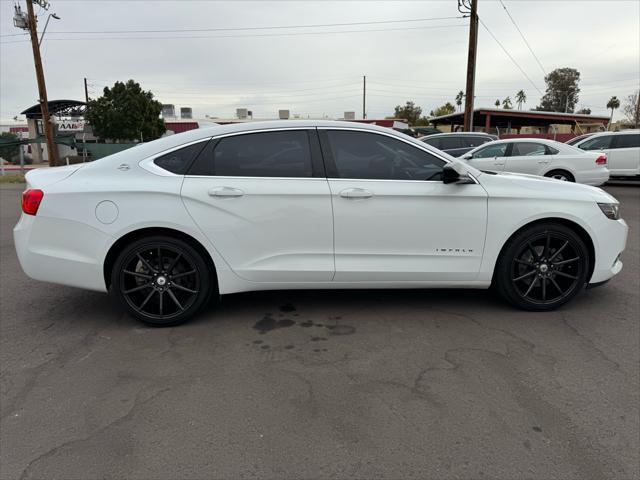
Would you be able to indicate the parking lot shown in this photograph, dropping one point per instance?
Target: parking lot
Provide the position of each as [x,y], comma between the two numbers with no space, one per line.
[321,384]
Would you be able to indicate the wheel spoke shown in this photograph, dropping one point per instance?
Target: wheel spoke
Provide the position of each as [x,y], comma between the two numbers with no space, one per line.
[180,287]
[562,274]
[183,274]
[146,264]
[555,284]
[545,252]
[146,299]
[533,251]
[544,288]
[528,274]
[555,254]
[138,274]
[173,264]
[530,287]
[135,289]
[160,262]
[161,293]
[523,262]
[175,300]
[571,260]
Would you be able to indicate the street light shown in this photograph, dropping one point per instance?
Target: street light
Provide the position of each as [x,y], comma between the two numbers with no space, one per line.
[45,26]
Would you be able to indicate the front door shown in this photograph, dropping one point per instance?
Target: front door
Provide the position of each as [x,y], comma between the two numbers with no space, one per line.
[492,157]
[394,219]
[263,201]
[527,157]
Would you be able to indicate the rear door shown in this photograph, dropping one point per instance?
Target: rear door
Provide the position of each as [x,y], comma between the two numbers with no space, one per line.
[527,157]
[624,157]
[263,200]
[492,157]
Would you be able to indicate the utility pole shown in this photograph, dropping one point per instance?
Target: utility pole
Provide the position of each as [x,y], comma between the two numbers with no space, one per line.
[471,62]
[42,88]
[364,97]
[86,91]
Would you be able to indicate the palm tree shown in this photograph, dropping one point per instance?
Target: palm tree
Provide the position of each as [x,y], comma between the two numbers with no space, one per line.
[521,98]
[613,103]
[497,104]
[506,103]
[459,98]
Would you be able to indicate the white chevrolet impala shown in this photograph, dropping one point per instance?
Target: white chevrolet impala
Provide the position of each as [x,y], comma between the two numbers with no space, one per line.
[308,204]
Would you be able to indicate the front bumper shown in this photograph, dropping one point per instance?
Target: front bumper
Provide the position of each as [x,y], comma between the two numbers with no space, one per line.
[612,241]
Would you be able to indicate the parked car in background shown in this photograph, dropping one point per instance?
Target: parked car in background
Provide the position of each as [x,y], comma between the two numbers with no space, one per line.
[579,138]
[308,204]
[542,157]
[457,144]
[622,150]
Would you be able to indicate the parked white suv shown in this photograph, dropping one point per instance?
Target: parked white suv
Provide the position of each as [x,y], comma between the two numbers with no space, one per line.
[622,150]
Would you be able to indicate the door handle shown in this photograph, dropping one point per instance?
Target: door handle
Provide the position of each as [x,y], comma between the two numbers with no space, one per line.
[225,192]
[543,161]
[353,193]
[498,163]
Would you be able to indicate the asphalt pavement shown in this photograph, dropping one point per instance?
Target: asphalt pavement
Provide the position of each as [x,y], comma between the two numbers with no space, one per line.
[442,384]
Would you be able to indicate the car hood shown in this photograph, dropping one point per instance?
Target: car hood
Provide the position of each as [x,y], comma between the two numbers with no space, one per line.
[506,184]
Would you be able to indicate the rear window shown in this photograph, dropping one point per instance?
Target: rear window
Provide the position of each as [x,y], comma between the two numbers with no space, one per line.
[434,142]
[179,160]
[628,140]
[449,143]
[266,154]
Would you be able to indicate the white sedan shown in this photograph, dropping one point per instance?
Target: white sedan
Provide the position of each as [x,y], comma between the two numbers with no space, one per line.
[542,157]
[308,204]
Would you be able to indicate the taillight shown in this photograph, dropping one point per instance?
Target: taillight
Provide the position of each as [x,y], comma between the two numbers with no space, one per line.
[601,160]
[31,201]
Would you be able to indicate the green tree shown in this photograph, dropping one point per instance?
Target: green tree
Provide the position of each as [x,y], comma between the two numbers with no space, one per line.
[521,98]
[409,112]
[126,112]
[613,103]
[584,111]
[459,98]
[631,108]
[9,152]
[506,103]
[562,91]
[497,104]
[445,109]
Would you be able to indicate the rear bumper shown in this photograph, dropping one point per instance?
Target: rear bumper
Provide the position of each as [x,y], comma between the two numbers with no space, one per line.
[595,177]
[61,251]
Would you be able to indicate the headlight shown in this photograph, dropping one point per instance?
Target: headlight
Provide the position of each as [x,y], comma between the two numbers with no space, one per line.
[611,210]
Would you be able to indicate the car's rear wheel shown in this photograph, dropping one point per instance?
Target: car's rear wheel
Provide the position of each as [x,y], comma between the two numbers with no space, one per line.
[542,267]
[162,281]
[560,175]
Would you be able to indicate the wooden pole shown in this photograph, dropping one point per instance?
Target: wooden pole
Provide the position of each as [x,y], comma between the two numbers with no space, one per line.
[471,67]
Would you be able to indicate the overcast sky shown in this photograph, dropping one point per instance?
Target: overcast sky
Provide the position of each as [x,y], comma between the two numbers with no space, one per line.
[312,72]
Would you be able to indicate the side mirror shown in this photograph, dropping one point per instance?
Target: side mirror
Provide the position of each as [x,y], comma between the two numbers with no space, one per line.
[450,175]
[467,156]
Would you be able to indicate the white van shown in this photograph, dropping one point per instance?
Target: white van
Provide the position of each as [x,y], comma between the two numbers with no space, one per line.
[622,150]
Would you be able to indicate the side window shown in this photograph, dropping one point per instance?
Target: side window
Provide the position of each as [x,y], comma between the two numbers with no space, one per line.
[472,142]
[179,160]
[551,150]
[434,142]
[490,151]
[366,155]
[449,143]
[627,140]
[597,143]
[528,149]
[266,154]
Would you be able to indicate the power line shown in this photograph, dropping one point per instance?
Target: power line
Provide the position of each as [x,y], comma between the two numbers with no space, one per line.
[510,57]
[523,37]
[173,37]
[272,27]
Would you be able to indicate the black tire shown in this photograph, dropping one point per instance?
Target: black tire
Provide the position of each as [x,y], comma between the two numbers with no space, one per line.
[560,175]
[542,267]
[162,281]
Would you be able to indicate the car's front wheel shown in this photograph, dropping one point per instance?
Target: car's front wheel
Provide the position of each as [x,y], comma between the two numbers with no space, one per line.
[542,267]
[162,281]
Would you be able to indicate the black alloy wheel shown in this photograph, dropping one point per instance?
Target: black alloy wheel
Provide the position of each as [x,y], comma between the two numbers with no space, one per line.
[162,281]
[543,267]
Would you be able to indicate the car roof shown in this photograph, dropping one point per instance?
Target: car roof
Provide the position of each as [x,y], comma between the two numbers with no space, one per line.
[464,134]
[620,132]
[546,141]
